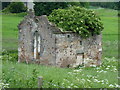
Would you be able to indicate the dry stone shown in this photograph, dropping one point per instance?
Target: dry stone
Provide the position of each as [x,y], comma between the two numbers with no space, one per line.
[42,42]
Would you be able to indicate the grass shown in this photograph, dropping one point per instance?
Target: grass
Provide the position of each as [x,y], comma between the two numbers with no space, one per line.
[105,76]
[106,12]
[10,31]
[89,77]
[110,32]
[110,24]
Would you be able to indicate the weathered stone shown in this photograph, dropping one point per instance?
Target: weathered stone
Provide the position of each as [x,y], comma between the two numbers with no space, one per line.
[42,42]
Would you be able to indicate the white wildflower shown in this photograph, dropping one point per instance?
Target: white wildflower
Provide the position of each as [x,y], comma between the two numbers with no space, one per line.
[71,84]
[0,56]
[88,80]
[95,80]
[81,21]
[69,72]
[93,65]
[97,68]
[3,85]
[104,71]
[111,85]
[76,70]
[75,86]
[78,79]
[117,86]
[102,80]
[107,68]
[83,79]
[68,87]
[63,83]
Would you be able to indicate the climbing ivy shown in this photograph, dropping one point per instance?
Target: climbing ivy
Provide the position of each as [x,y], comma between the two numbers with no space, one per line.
[80,20]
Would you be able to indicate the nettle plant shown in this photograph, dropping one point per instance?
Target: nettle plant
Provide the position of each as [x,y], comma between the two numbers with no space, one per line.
[79,20]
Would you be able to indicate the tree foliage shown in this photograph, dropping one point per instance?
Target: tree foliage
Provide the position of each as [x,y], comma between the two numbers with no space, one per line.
[45,8]
[16,7]
[5,4]
[111,5]
[80,20]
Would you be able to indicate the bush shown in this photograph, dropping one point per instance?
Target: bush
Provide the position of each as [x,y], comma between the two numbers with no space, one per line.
[80,20]
[17,7]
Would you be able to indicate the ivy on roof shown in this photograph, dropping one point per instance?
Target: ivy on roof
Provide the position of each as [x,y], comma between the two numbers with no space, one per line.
[80,20]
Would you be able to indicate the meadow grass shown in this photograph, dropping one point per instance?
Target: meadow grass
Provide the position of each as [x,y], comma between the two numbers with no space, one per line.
[84,77]
[106,12]
[10,31]
[110,32]
[104,76]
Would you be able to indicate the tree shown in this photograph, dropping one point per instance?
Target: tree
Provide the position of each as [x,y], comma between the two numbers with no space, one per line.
[5,4]
[111,5]
[45,8]
[17,7]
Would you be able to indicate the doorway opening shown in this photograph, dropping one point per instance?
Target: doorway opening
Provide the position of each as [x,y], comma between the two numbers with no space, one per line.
[80,59]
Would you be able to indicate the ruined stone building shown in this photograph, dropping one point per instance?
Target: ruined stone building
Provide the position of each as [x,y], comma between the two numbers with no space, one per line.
[42,42]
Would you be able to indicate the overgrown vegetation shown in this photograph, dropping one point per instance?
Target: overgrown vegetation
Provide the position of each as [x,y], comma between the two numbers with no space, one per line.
[79,20]
[21,75]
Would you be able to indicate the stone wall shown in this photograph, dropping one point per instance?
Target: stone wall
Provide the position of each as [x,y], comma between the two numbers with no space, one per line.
[27,28]
[72,50]
[42,42]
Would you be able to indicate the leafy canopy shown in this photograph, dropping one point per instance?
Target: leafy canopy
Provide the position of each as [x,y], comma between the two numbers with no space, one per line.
[45,8]
[80,20]
[15,7]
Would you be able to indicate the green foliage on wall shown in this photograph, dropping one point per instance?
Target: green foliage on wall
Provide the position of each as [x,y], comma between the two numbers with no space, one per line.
[80,20]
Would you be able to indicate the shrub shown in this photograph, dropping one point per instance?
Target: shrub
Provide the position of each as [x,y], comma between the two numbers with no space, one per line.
[80,20]
[17,7]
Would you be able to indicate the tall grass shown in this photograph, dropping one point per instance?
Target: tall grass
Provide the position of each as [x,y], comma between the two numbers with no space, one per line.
[21,75]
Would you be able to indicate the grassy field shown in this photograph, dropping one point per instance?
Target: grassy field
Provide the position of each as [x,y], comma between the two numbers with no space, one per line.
[110,32]
[10,31]
[23,75]
[18,75]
